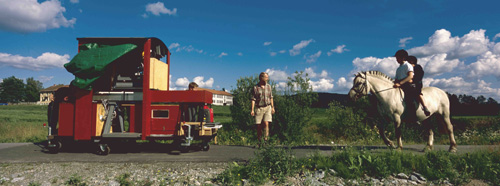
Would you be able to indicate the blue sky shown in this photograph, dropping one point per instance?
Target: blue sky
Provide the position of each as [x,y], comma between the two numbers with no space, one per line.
[216,42]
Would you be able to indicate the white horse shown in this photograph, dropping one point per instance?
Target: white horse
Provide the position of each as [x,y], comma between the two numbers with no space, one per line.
[391,105]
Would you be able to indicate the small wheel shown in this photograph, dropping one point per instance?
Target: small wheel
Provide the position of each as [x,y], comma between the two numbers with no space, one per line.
[103,149]
[54,147]
[205,147]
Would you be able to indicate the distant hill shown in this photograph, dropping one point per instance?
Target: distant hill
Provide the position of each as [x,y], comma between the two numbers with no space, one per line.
[325,98]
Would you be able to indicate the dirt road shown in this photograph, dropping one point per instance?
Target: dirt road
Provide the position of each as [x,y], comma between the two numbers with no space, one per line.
[36,153]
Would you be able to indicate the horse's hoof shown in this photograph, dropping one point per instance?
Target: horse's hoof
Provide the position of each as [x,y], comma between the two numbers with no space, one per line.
[428,148]
[453,150]
[390,145]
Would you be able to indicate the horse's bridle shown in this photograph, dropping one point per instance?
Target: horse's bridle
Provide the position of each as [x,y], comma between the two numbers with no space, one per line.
[363,88]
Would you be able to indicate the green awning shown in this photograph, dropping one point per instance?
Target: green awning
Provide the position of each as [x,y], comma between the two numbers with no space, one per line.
[91,62]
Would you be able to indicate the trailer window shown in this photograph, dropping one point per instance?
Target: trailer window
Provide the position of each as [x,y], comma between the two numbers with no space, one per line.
[160,114]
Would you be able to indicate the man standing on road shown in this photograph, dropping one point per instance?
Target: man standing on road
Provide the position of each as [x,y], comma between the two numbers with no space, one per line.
[262,98]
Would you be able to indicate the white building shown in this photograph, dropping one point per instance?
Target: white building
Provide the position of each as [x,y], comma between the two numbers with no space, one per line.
[45,93]
[219,97]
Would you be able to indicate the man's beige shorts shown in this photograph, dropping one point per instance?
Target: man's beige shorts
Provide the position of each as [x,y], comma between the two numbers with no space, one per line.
[263,114]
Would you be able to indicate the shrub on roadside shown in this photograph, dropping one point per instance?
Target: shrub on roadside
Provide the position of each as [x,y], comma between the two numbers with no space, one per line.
[293,113]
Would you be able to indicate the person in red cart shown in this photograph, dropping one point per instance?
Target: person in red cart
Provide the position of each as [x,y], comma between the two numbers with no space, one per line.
[192,86]
[262,100]
[190,111]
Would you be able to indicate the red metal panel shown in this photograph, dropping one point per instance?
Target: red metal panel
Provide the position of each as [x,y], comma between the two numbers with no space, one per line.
[146,92]
[83,111]
[198,96]
[138,118]
[165,125]
[131,118]
[66,119]
[93,120]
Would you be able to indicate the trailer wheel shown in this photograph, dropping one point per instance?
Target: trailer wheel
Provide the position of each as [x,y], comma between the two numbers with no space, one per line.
[103,149]
[205,147]
[54,147]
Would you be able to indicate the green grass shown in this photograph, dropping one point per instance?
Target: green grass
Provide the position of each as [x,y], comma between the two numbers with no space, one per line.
[275,164]
[22,123]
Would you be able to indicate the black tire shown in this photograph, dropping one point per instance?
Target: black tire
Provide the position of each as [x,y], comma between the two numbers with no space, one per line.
[205,147]
[184,149]
[103,149]
[56,148]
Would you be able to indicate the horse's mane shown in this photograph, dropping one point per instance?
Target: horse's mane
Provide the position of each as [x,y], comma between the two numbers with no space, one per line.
[380,75]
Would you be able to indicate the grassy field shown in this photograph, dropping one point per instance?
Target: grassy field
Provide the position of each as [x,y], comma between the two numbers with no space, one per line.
[24,123]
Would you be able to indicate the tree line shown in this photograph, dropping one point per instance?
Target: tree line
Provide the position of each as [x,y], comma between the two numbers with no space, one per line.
[14,90]
[466,105]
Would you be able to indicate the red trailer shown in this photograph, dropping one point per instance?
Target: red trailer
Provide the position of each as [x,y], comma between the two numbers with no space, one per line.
[119,77]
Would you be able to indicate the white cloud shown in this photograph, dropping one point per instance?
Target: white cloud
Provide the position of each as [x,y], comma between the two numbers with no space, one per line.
[312,58]
[438,64]
[457,85]
[434,65]
[323,84]
[26,16]
[204,84]
[74,1]
[496,48]
[282,51]
[340,49]
[45,79]
[277,75]
[272,53]
[496,36]
[487,64]
[174,45]
[182,82]
[343,85]
[159,8]
[404,41]
[299,46]
[267,43]
[45,61]
[386,65]
[281,86]
[180,48]
[222,54]
[310,72]
[472,44]
[240,54]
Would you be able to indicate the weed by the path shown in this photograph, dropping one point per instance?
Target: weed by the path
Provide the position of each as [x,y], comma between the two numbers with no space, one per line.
[76,180]
[275,164]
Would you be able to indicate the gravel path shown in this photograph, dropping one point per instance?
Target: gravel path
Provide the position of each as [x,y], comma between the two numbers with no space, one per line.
[163,173]
[169,173]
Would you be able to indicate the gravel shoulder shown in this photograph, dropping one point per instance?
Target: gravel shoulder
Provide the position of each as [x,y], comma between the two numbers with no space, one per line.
[166,173]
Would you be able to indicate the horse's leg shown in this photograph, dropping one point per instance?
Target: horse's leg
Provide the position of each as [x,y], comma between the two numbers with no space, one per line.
[445,121]
[397,126]
[430,142]
[381,131]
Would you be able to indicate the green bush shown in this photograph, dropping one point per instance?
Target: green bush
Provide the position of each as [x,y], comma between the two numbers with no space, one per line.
[292,105]
[348,123]
[269,163]
[293,109]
